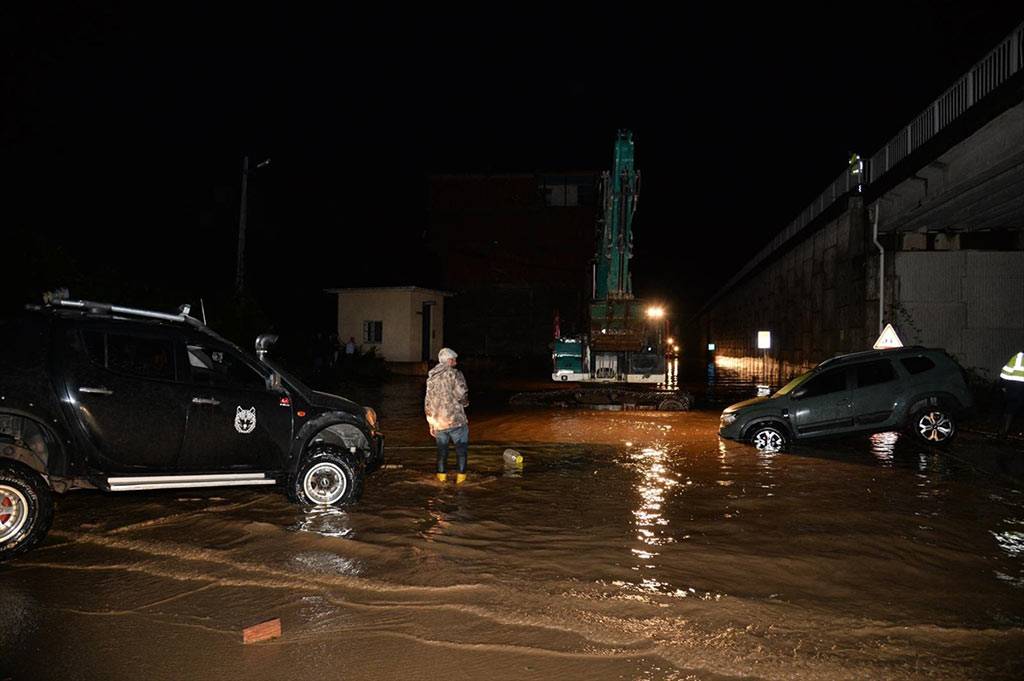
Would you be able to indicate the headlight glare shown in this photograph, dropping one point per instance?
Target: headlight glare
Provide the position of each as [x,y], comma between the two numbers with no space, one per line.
[371,417]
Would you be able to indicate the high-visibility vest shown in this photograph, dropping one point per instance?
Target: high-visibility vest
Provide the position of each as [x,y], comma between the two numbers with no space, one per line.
[1014,369]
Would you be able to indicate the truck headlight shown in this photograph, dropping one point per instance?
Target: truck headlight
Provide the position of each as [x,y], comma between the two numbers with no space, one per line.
[371,417]
[728,419]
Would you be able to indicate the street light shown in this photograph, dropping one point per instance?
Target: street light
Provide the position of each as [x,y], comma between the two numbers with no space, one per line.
[242,211]
[655,312]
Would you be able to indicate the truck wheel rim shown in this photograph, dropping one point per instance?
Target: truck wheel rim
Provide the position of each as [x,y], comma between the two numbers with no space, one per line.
[13,512]
[324,483]
[935,426]
[768,441]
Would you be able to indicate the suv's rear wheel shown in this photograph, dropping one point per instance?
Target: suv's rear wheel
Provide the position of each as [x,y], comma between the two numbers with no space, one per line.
[767,437]
[327,477]
[934,425]
[26,509]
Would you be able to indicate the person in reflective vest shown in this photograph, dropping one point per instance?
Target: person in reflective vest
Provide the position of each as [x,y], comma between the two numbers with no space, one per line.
[1012,377]
[857,171]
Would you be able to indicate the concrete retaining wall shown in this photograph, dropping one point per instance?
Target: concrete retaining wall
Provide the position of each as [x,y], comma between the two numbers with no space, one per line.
[971,303]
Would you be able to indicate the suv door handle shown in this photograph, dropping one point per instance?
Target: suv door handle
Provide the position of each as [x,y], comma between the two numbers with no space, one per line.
[95,391]
[205,400]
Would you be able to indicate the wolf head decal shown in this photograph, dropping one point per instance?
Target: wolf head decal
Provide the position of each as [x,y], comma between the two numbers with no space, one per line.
[245,420]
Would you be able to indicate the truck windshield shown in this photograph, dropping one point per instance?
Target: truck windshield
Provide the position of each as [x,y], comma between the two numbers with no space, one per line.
[792,385]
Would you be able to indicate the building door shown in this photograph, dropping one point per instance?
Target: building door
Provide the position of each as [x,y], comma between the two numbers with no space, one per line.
[427,330]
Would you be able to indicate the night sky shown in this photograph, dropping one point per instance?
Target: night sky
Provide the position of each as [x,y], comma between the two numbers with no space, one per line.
[123,133]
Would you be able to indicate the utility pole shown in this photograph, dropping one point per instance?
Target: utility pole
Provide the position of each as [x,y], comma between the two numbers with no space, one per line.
[240,266]
[242,213]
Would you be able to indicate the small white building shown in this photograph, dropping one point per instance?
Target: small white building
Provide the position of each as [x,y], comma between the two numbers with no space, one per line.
[403,323]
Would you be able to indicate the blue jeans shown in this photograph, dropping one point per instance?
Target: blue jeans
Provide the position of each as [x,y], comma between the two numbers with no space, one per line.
[460,437]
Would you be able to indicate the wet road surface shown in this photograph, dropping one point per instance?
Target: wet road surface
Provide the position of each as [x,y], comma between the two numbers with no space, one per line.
[633,545]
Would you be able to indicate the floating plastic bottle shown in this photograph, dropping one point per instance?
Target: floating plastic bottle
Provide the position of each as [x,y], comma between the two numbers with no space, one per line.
[512,458]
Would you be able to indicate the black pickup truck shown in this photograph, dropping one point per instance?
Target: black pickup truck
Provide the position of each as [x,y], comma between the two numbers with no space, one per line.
[93,395]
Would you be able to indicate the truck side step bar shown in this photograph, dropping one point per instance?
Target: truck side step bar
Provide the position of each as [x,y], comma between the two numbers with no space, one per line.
[145,482]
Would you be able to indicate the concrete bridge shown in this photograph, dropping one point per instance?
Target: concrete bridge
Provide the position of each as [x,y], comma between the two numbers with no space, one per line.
[926,234]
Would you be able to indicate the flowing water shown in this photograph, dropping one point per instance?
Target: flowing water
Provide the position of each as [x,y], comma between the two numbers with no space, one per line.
[632,545]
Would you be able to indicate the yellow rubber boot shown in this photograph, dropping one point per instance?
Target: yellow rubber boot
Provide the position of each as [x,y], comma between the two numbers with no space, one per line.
[460,478]
[441,477]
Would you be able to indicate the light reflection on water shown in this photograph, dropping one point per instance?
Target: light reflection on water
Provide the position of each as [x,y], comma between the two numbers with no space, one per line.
[654,484]
[883,446]
[653,487]
[672,373]
[1012,542]
[325,563]
[327,521]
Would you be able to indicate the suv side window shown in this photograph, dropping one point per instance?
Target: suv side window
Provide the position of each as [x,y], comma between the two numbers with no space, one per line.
[874,373]
[214,366]
[917,365]
[132,355]
[832,381]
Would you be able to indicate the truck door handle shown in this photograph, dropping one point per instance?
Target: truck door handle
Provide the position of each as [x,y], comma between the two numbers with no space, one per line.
[95,391]
[205,400]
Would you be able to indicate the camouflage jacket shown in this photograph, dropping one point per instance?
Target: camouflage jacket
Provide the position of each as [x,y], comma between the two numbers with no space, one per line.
[447,397]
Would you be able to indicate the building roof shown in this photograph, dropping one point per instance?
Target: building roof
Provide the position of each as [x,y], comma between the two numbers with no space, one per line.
[388,288]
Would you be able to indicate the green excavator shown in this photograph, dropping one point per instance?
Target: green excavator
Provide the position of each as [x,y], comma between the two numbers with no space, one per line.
[626,342]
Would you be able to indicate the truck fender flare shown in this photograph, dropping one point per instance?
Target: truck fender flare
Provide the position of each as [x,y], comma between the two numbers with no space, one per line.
[337,429]
[53,460]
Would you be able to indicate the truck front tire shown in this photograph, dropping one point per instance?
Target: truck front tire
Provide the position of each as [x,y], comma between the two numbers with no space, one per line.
[327,476]
[26,509]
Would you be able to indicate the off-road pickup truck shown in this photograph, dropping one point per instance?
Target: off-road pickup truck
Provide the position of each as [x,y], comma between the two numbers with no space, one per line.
[94,395]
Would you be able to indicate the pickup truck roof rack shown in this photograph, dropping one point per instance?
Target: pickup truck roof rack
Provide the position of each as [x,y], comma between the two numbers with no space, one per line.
[60,299]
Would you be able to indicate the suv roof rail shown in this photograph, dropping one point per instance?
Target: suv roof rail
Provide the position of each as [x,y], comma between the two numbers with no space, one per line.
[863,354]
[92,307]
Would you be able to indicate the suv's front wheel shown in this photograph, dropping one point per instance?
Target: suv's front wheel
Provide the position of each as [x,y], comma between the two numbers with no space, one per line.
[26,509]
[327,477]
[768,437]
[933,425]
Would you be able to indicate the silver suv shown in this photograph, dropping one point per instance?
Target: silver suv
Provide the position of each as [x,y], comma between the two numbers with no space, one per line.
[918,389]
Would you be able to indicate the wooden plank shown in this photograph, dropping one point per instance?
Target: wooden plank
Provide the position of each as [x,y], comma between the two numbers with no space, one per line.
[264,631]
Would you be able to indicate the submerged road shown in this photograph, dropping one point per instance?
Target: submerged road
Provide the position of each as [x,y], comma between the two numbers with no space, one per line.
[632,545]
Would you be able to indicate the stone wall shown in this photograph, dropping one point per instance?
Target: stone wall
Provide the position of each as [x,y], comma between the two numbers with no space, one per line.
[818,299]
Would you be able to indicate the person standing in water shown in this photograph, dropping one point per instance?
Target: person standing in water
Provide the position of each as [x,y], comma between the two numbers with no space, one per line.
[445,407]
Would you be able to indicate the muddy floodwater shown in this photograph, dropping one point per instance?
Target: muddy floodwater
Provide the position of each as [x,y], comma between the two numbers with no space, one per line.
[631,545]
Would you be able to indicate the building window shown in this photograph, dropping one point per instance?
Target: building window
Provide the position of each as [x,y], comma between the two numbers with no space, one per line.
[561,195]
[373,332]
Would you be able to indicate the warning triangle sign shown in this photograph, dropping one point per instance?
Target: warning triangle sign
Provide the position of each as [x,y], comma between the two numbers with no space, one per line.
[888,339]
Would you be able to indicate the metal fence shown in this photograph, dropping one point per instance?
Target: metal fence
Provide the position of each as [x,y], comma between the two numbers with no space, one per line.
[992,71]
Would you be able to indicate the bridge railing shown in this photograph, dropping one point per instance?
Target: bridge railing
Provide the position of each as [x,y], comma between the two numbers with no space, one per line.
[992,71]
